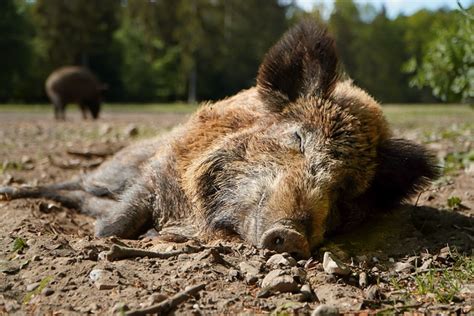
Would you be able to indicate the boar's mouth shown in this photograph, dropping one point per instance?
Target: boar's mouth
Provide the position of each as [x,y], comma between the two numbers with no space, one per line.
[285,236]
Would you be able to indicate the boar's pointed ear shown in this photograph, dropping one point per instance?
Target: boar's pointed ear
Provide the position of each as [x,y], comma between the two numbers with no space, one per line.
[404,168]
[303,63]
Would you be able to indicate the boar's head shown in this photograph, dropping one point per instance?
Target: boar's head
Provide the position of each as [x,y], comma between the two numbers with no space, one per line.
[320,154]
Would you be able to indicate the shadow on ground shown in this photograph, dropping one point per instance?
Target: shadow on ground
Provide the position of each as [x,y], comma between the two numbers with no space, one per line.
[406,231]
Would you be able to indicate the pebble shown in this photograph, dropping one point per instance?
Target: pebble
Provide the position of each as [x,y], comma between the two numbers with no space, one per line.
[403,267]
[248,269]
[332,265]
[278,281]
[308,295]
[104,129]
[325,310]
[131,130]
[96,274]
[32,286]
[234,274]
[278,260]
[102,279]
[363,279]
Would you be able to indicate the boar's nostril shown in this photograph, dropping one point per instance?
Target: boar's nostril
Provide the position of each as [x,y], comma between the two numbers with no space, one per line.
[284,239]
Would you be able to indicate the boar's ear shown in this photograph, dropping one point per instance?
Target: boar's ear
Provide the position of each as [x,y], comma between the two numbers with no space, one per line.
[403,169]
[303,63]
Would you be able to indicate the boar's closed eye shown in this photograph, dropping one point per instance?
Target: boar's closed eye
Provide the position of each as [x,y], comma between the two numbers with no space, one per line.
[299,138]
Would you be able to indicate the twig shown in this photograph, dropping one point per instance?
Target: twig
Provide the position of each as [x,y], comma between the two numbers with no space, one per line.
[117,252]
[169,304]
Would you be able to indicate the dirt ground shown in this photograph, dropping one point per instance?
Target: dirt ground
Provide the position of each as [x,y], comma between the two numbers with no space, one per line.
[417,259]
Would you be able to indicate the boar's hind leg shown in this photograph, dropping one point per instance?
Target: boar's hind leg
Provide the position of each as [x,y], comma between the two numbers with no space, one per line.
[69,194]
[84,110]
[127,218]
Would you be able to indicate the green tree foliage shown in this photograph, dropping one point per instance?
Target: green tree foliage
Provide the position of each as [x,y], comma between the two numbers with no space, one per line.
[15,49]
[76,32]
[447,65]
[166,50]
[150,54]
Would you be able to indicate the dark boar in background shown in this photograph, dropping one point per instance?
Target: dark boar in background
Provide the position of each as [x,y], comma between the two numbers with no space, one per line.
[281,164]
[73,84]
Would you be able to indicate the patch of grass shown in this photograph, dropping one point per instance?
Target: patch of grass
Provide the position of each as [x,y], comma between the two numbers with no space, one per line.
[397,113]
[10,165]
[454,202]
[152,107]
[441,285]
[177,107]
[455,161]
[19,244]
[43,283]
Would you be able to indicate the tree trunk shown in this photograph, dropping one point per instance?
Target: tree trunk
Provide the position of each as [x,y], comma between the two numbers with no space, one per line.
[192,85]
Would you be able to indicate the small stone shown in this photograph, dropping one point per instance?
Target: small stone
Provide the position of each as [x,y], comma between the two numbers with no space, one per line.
[36,258]
[30,242]
[278,260]
[403,267]
[391,260]
[103,279]
[325,310]
[26,159]
[131,130]
[47,291]
[278,281]
[32,286]
[375,259]
[332,265]
[308,295]
[234,274]
[362,258]
[248,269]
[104,129]
[96,274]
[363,280]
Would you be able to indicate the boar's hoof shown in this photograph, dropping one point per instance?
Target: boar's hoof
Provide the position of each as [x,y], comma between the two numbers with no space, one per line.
[284,239]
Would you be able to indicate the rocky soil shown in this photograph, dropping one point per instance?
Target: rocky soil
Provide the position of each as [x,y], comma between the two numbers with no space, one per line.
[417,259]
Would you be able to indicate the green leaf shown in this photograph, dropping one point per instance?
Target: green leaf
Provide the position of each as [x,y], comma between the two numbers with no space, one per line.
[19,244]
[454,202]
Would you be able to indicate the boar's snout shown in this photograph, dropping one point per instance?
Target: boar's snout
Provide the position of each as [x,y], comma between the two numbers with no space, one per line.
[283,238]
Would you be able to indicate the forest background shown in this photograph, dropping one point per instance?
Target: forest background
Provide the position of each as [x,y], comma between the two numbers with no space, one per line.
[196,50]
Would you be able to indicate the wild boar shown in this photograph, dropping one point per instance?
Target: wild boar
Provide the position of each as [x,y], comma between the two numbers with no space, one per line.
[73,84]
[281,164]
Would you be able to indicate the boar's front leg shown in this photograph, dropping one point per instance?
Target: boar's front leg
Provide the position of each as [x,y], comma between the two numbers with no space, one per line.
[153,200]
[129,217]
